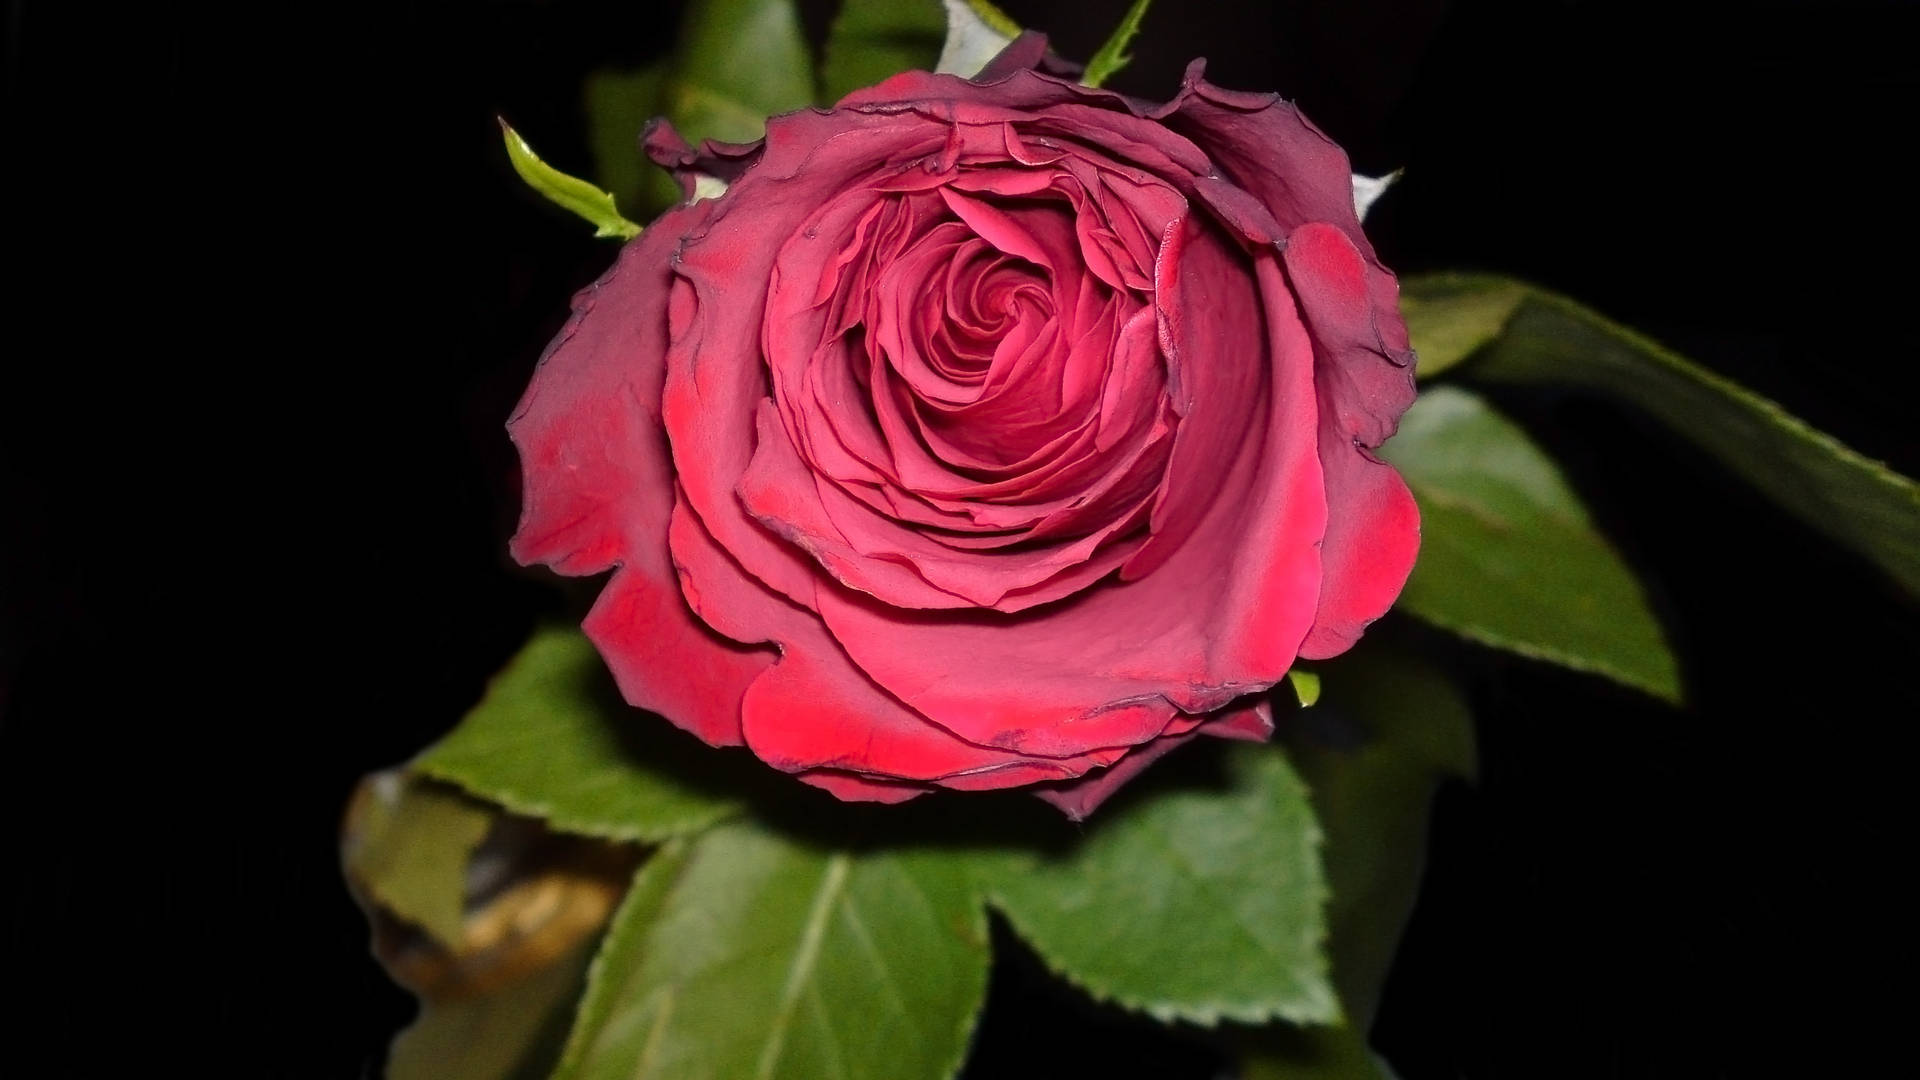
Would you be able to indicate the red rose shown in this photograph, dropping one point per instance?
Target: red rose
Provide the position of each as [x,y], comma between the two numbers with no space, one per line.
[983,433]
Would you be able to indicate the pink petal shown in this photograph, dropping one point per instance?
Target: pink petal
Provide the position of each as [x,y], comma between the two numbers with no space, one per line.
[814,710]
[1365,371]
[1265,146]
[851,787]
[599,492]
[1373,526]
[1221,614]
[1373,535]
[723,161]
[1079,798]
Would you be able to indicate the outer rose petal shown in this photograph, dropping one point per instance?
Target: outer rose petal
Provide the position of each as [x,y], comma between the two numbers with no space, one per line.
[1079,798]
[1270,150]
[1373,526]
[1369,551]
[815,711]
[1028,50]
[850,787]
[722,161]
[599,490]
[1365,372]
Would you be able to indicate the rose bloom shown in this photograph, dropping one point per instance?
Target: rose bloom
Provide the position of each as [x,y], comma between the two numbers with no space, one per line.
[983,433]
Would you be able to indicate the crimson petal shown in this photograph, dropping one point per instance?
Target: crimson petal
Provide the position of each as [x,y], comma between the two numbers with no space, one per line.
[599,493]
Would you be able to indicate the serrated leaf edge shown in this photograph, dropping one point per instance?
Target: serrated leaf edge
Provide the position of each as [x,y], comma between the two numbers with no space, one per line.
[518,802]
[1874,467]
[1207,1014]
[1674,695]
[1325,1011]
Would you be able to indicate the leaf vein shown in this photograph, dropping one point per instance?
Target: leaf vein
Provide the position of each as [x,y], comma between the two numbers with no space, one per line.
[804,958]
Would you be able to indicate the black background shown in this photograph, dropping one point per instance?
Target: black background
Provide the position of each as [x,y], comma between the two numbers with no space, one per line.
[276,290]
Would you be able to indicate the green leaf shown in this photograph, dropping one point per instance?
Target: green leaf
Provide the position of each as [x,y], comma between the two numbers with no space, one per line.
[1390,730]
[514,1033]
[551,739]
[872,40]
[745,954]
[618,106]
[1201,904]
[976,32]
[736,63]
[1451,317]
[1546,338]
[567,192]
[1113,55]
[1508,556]
[408,848]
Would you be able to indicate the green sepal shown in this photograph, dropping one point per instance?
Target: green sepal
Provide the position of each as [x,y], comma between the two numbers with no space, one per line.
[567,192]
[1306,686]
[1113,55]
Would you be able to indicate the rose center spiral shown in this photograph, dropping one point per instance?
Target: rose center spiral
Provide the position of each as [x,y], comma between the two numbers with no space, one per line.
[972,372]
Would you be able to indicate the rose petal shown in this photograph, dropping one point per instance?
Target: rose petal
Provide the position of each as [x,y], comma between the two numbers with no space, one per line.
[668,662]
[1373,526]
[814,710]
[1264,145]
[715,372]
[850,787]
[784,496]
[722,161]
[1221,615]
[1117,126]
[599,492]
[1373,535]
[1365,371]
[1078,798]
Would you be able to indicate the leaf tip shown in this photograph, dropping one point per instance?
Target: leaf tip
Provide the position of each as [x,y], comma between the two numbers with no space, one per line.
[1306,686]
